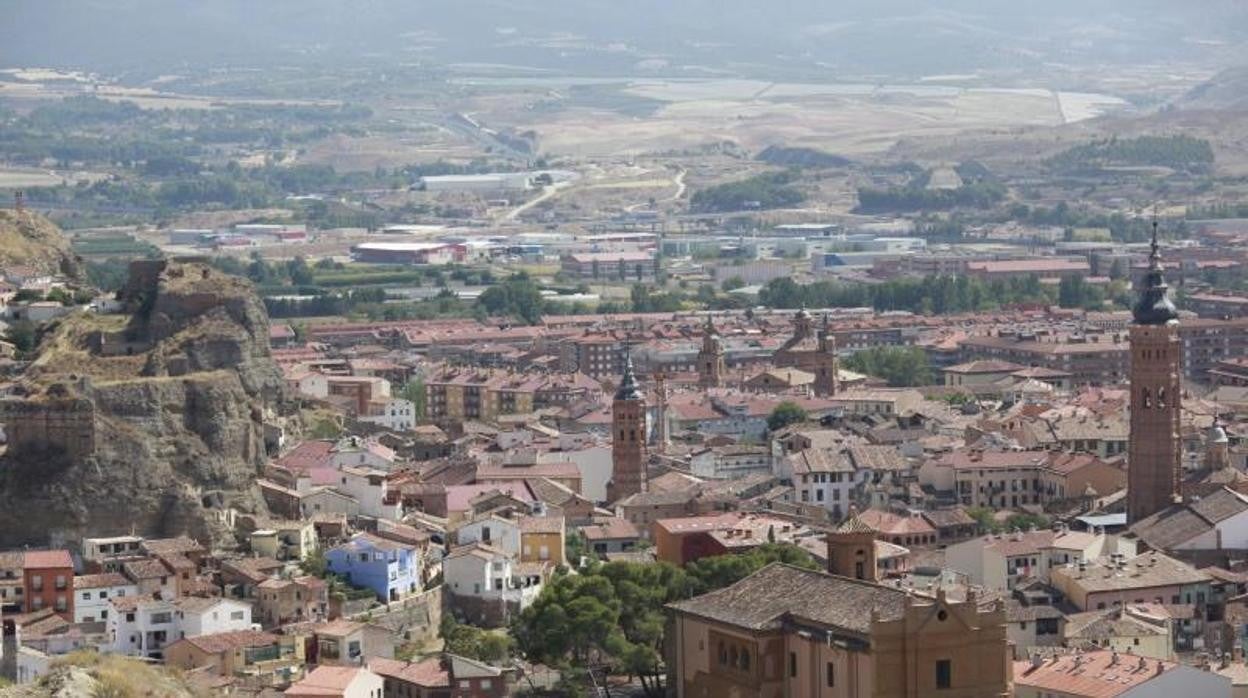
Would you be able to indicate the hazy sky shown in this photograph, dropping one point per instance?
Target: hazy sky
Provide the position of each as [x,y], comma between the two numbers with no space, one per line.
[885,36]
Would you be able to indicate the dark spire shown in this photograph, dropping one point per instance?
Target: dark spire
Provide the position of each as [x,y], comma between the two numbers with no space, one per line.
[1154,306]
[710,325]
[629,388]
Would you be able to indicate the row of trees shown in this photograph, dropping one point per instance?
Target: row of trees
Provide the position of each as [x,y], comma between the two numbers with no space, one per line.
[1178,152]
[928,295]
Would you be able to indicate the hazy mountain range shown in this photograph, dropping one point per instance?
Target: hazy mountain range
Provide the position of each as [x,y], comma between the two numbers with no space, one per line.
[888,37]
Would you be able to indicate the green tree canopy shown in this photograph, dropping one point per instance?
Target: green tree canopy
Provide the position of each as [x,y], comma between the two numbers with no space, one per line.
[900,366]
[518,296]
[784,414]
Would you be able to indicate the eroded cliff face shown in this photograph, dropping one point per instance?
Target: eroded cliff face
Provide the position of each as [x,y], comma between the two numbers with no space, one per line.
[28,239]
[153,424]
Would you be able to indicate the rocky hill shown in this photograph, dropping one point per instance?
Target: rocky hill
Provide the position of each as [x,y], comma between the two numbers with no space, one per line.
[153,421]
[1228,90]
[87,675]
[28,239]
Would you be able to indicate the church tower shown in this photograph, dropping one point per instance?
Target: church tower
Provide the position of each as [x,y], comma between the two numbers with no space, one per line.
[628,437]
[851,549]
[1154,452]
[825,361]
[1217,447]
[711,357]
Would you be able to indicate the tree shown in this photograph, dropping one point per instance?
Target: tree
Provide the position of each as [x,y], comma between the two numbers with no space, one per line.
[474,643]
[732,283]
[613,613]
[519,297]
[414,391]
[716,572]
[23,336]
[299,271]
[900,366]
[784,414]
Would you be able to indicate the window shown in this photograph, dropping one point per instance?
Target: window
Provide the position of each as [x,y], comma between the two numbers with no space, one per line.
[723,654]
[236,615]
[792,665]
[86,596]
[944,673]
[831,675]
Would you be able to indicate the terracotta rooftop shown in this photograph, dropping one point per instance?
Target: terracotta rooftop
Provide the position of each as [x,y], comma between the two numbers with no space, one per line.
[46,559]
[427,673]
[762,600]
[1096,674]
[325,681]
[223,642]
[99,581]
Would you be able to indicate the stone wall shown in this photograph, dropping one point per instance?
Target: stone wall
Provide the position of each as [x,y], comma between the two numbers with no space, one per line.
[39,425]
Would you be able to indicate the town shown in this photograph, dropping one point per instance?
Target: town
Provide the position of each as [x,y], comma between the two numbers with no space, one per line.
[585,360]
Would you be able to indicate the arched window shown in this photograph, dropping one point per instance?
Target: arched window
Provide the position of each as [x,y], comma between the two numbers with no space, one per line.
[745,660]
[1161,398]
[1148,399]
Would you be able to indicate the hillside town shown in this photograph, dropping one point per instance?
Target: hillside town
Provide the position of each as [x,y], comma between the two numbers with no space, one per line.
[1060,510]
[646,349]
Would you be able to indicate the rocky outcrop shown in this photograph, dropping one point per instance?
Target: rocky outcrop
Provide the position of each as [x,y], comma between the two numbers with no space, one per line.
[85,674]
[30,240]
[158,439]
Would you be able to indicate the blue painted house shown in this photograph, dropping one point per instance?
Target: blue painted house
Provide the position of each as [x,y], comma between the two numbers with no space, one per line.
[390,569]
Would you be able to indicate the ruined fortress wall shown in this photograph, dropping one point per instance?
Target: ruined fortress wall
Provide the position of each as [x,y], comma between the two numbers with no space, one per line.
[37,426]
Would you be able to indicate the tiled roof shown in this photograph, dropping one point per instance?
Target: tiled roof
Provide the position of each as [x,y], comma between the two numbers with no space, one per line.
[100,581]
[1103,625]
[46,559]
[427,673]
[941,518]
[1151,569]
[894,524]
[338,628]
[1095,674]
[610,528]
[172,546]
[1220,505]
[223,642]
[762,600]
[325,681]
[1016,612]
[541,524]
[145,569]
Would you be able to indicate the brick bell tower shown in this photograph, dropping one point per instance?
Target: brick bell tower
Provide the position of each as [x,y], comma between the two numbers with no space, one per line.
[711,368]
[1154,451]
[628,437]
[825,361]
